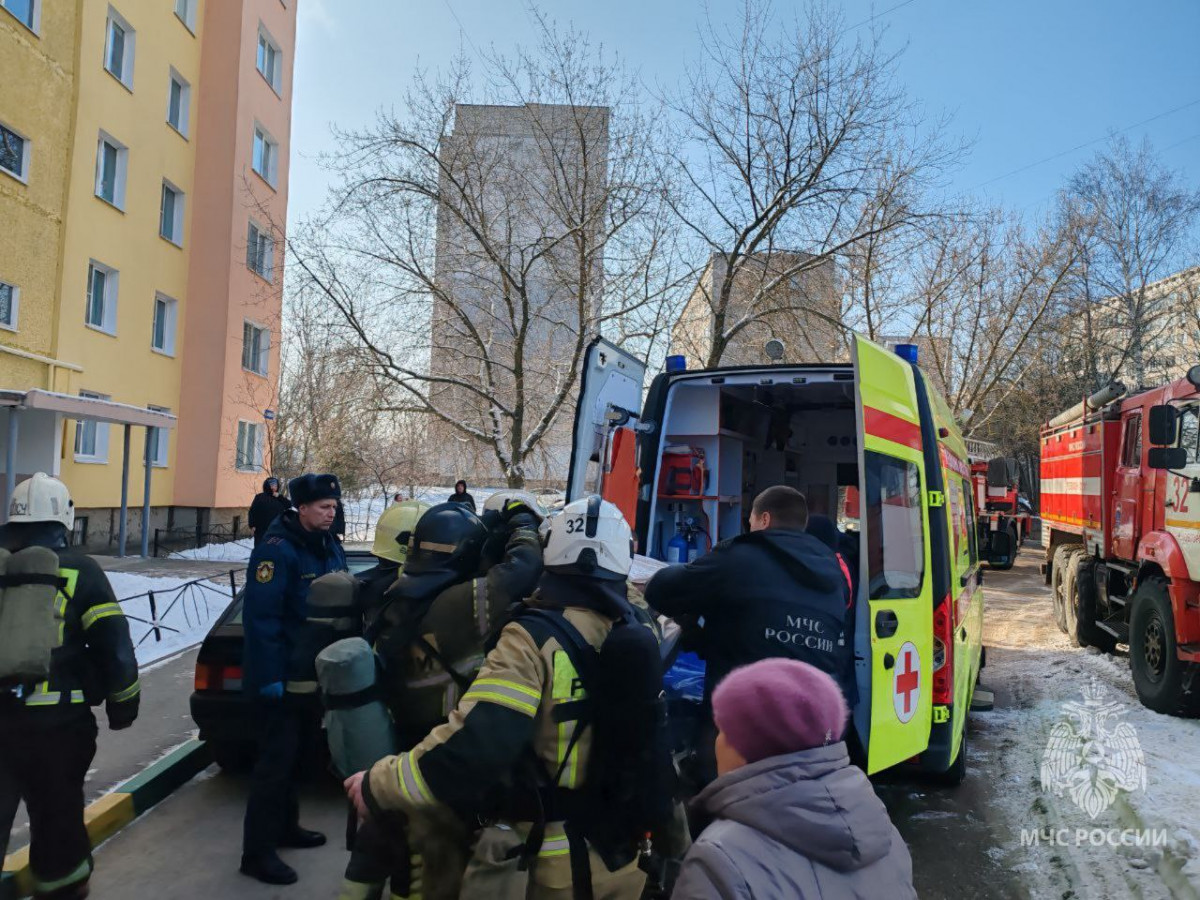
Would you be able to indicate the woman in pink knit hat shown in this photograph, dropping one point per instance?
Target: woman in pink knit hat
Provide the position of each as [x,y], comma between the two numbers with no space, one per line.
[792,819]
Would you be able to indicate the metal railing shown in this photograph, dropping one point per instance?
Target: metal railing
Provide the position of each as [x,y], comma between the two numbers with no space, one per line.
[172,540]
[183,607]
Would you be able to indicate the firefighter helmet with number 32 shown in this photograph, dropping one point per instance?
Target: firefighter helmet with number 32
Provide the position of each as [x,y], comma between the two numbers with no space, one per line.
[590,537]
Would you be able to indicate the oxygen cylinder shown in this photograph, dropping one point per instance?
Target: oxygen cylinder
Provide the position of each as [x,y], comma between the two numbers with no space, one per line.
[357,723]
[695,545]
[678,550]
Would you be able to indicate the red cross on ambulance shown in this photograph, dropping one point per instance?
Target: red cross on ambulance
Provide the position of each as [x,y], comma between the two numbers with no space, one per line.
[906,682]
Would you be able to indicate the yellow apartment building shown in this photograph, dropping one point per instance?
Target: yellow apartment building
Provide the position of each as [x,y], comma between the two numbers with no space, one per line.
[126,293]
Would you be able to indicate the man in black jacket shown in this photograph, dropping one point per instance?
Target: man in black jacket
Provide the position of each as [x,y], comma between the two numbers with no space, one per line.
[265,508]
[773,592]
[48,731]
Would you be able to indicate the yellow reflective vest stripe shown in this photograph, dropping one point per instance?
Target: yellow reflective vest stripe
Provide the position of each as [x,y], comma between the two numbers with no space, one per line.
[505,693]
[98,612]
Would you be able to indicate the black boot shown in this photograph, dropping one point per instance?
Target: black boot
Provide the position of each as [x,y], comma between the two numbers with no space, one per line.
[302,839]
[269,869]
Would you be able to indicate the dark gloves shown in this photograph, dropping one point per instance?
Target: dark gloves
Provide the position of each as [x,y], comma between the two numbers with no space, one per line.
[121,715]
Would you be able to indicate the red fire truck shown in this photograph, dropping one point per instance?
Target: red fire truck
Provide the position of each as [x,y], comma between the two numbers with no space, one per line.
[1120,510]
[1005,515]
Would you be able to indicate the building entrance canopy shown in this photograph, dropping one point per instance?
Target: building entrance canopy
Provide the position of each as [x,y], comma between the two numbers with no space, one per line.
[87,409]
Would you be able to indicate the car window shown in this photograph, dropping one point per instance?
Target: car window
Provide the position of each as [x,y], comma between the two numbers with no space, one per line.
[355,562]
[1131,453]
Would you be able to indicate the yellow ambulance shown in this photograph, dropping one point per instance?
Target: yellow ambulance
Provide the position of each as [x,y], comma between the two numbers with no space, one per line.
[871,445]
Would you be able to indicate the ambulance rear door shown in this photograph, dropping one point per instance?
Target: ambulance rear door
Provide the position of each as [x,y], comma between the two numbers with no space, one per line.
[894,615]
[603,452]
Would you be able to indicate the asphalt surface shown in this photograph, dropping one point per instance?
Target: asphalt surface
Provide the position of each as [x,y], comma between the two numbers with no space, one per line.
[189,846]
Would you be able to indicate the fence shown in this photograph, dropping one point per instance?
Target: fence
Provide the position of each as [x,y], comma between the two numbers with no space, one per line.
[177,613]
[172,540]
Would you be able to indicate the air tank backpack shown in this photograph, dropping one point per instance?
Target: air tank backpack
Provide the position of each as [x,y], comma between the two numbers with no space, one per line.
[30,618]
[628,794]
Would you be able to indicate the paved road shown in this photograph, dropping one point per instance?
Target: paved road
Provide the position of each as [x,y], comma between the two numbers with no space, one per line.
[164,721]
[188,847]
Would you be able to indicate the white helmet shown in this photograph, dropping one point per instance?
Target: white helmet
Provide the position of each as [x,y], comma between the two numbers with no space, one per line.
[590,537]
[42,499]
[501,499]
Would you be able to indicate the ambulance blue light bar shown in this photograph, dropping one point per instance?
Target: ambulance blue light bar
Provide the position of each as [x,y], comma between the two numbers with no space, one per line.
[907,352]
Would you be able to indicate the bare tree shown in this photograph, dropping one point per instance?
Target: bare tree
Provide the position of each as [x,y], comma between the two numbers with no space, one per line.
[797,147]
[470,253]
[1133,218]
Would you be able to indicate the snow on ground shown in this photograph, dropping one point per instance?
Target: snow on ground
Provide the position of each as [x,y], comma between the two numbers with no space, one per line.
[1035,671]
[186,610]
[230,551]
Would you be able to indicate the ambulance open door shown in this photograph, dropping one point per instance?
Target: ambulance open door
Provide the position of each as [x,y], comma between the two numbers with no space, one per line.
[603,452]
[894,608]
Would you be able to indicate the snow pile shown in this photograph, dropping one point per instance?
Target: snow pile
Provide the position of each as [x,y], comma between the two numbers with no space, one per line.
[185,613]
[1040,673]
[228,551]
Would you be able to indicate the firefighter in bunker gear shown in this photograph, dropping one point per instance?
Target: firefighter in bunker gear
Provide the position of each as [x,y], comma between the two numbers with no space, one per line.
[279,669]
[513,717]
[48,731]
[461,574]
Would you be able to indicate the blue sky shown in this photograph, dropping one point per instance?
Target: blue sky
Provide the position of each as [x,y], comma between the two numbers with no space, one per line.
[1024,79]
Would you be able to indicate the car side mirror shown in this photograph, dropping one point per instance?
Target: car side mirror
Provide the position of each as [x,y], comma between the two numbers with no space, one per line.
[1166,457]
[1164,425]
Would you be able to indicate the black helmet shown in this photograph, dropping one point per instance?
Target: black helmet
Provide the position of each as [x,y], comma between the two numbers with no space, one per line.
[448,538]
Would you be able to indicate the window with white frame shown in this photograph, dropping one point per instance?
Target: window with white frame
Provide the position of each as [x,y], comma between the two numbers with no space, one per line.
[162,333]
[270,59]
[14,153]
[256,348]
[186,11]
[265,159]
[91,437]
[170,214]
[102,297]
[179,103]
[250,446]
[112,164]
[260,251]
[118,48]
[10,298]
[27,12]
[159,438]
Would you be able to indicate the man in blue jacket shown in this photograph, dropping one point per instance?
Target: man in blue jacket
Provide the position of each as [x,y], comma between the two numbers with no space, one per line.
[297,549]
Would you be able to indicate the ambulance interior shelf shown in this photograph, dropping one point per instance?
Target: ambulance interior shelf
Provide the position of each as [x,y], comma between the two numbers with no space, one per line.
[747,438]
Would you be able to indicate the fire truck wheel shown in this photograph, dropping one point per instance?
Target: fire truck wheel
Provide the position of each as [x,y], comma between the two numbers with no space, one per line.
[1158,673]
[1069,591]
[1087,632]
[1058,570]
[1015,546]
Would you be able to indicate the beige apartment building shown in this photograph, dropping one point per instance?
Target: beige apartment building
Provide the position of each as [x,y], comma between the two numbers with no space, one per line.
[801,310]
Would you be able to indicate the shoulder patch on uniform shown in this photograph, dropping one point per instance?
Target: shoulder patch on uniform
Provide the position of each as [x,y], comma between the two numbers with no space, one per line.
[265,571]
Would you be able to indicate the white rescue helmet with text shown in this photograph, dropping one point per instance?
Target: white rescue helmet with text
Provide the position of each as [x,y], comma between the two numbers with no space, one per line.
[42,498]
[590,537]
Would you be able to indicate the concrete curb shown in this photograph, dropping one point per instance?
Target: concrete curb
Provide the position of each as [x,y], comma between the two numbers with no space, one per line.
[107,815]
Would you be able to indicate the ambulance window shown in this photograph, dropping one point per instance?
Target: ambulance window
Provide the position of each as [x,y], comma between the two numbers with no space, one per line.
[1131,452]
[972,527]
[1189,432]
[895,527]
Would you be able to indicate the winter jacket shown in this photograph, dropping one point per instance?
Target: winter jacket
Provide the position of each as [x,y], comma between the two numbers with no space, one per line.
[456,620]
[264,509]
[275,609]
[764,594]
[806,826]
[95,663]
[465,498]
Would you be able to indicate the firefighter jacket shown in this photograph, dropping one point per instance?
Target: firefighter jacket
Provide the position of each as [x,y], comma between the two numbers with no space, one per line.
[455,626]
[509,709]
[95,663]
[275,607]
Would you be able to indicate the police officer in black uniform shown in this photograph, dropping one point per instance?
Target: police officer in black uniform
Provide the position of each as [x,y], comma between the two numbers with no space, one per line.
[297,549]
[48,732]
